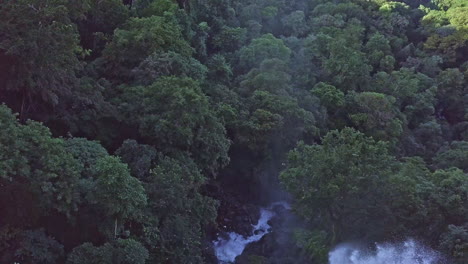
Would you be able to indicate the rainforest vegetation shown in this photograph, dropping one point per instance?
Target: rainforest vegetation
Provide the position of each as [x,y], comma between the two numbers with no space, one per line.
[122,121]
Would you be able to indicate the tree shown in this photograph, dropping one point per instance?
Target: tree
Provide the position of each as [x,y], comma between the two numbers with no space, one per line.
[264,47]
[219,70]
[147,8]
[184,122]
[429,136]
[455,241]
[86,152]
[169,63]
[178,89]
[97,22]
[454,156]
[230,39]
[448,30]
[182,212]
[377,47]
[451,87]
[346,68]
[409,191]
[329,96]
[333,183]
[38,55]
[313,243]
[272,76]
[32,246]
[421,199]
[139,38]
[272,117]
[451,195]
[120,195]
[140,158]
[36,171]
[120,251]
[375,114]
[414,93]
[295,22]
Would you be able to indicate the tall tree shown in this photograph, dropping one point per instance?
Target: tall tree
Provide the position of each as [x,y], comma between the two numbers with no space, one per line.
[39,48]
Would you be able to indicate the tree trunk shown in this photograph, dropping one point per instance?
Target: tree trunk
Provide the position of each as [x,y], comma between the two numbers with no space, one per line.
[115,228]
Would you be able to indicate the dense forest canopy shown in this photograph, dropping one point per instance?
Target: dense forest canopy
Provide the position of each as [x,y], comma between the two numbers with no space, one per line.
[120,121]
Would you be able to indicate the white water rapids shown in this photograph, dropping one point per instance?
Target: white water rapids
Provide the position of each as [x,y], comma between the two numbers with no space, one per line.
[409,252]
[226,250]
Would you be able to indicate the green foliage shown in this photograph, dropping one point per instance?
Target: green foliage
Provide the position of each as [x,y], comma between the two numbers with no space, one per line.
[182,212]
[329,96]
[264,47]
[452,193]
[269,11]
[448,25]
[36,165]
[375,114]
[387,63]
[390,7]
[377,48]
[96,21]
[184,122]
[313,243]
[177,89]
[170,63]
[409,191]
[121,251]
[295,22]
[118,193]
[454,156]
[455,241]
[345,67]
[230,39]
[451,87]
[36,247]
[278,117]
[86,152]
[328,181]
[272,76]
[140,158]
[219,69]
[155,7]
[139,38]
[38,53]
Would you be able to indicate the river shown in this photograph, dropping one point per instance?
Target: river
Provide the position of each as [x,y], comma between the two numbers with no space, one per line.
[229,246]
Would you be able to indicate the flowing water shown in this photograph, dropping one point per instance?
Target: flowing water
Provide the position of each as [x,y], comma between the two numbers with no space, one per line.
[227,249]
[409,252]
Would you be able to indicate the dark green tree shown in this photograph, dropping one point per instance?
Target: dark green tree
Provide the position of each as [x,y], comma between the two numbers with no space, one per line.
[333,183]
[37,173]
[264,47]
[39,48]
[116,192]
[120,251]
[185,122]
[139,38]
